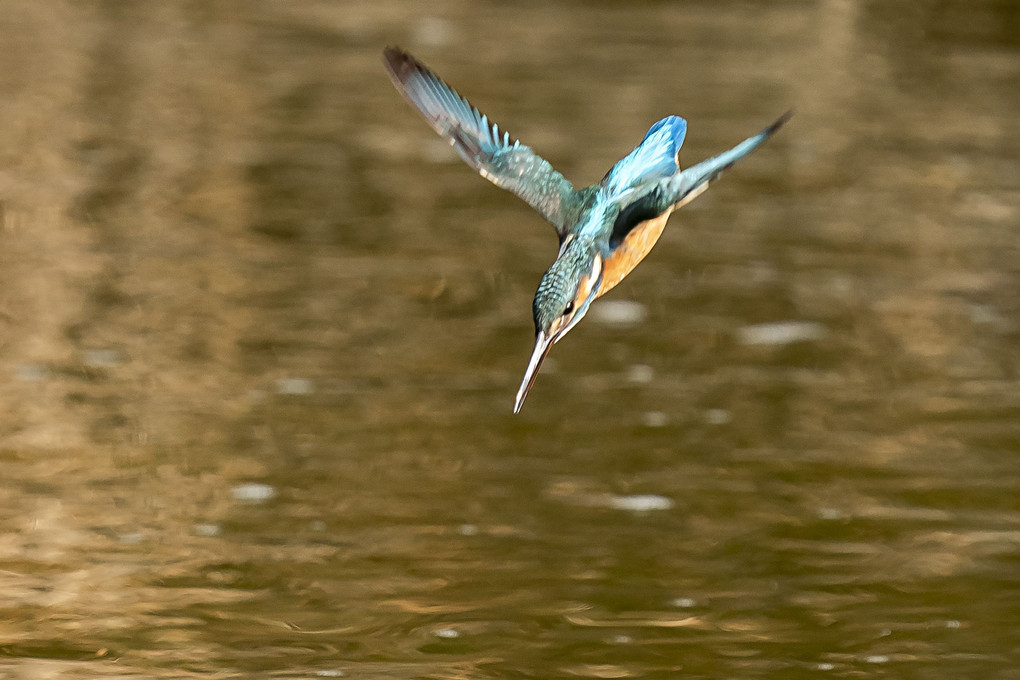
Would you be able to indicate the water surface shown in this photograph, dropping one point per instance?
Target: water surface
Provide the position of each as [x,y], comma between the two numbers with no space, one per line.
[260,333]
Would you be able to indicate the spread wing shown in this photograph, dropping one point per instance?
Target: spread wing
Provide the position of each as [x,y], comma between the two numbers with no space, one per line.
[684,187]
[654,159]
[676,190]
[493,153]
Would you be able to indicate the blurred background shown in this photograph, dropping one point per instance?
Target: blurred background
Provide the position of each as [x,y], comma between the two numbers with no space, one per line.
[261,330]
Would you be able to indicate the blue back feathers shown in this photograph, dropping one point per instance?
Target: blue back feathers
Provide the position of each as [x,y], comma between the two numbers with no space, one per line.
[651,160]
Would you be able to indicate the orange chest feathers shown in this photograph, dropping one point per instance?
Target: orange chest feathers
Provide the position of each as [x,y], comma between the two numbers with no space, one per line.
[631,251]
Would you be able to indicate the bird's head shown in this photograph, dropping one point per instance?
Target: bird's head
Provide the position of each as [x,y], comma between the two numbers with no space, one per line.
[562,299]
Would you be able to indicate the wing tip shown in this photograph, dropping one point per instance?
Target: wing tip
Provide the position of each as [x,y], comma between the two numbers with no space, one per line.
[779,122]
[400,64]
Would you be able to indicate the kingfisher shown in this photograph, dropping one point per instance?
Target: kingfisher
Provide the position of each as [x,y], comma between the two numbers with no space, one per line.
[605,229]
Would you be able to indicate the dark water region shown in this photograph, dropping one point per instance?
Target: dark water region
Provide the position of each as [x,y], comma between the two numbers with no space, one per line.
[260,334]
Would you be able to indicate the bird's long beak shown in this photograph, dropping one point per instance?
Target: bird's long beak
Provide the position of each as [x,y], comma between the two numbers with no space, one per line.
[543,343]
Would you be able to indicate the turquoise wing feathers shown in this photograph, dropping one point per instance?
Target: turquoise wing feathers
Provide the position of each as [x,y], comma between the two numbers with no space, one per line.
[654,159]
[654,195]
[685,186]
[493,153]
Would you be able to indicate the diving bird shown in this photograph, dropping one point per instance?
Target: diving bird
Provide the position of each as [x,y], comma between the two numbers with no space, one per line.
[605,229]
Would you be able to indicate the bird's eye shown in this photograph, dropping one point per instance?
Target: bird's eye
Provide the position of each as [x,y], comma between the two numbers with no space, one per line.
[568,309]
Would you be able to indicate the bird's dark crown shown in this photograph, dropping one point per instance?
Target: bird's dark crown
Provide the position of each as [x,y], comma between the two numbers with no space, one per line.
[558,288]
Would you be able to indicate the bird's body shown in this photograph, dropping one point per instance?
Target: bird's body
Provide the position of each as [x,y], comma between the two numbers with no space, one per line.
[605,229]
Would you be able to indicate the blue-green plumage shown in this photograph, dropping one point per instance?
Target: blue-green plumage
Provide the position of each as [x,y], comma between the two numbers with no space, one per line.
[605,229]
[655,158]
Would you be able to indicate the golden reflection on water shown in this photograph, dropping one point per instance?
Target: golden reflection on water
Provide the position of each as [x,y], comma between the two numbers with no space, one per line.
[261,334]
